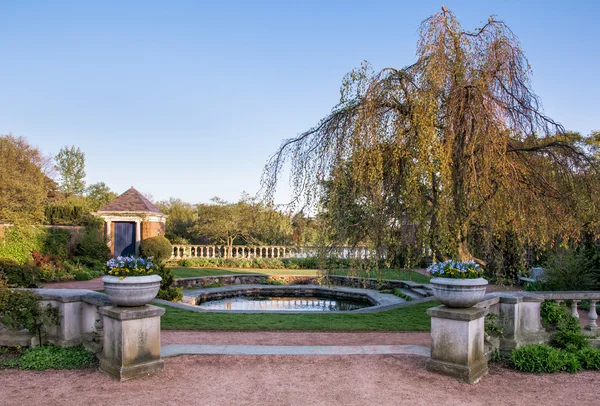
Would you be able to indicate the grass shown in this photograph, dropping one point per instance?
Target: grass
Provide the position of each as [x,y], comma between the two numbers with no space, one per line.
[399,274]
[410,318]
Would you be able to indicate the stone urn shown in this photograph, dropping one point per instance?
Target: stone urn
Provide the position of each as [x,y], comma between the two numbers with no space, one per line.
[132,290]
[459,293]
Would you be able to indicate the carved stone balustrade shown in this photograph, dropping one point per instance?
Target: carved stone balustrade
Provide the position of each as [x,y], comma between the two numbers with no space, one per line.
[181,251]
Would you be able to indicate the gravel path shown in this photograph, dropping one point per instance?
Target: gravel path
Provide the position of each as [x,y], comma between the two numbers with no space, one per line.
[295,380]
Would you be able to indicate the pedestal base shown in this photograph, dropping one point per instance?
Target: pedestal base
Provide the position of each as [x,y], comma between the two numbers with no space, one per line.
[465,373]
[457,348]
[133,371]
[131,341]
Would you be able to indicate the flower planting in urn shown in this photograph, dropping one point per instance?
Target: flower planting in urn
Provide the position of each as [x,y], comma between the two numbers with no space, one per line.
[458,284]
[131,281]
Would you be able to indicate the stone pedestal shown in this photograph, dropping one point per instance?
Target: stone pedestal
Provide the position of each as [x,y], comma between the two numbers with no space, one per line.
[457,348]
[131,341]
[521,322]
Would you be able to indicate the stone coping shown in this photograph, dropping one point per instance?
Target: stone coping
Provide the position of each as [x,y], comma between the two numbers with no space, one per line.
[468,314]
[74,295]
[131,313]
[384,301]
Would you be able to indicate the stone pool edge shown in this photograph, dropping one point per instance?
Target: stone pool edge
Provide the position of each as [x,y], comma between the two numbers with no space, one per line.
[374,295]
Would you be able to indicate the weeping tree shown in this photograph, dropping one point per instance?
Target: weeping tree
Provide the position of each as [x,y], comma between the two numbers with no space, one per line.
[457,141]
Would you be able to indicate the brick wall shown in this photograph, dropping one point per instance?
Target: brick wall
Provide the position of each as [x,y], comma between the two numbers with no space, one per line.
[152,229]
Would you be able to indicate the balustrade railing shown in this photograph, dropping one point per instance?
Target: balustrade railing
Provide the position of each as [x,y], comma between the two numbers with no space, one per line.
[575,297]
[248,251]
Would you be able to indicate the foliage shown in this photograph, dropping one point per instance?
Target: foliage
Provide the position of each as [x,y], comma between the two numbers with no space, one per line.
[244,221]
[130,266]
[456,270]
[382,274]
[553,314]
[157,248]
[540,358]
[589,358]
[70,164]
[456,141]
[68,210]
[566,330]
[98,195]
[167,291]
[21,309]
[567,269]
[24,187]
[492,325]
[18,275]
[53,357]
[411,318]
[21,241]
[181,217]
[92,250]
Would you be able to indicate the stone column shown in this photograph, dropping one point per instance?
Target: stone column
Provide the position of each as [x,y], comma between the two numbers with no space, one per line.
[592,317]
[138,236]
[109,235]
[457,343]
[131,341]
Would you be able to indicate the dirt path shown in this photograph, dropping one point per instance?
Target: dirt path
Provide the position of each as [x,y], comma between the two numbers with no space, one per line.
[292,338]
[295,380]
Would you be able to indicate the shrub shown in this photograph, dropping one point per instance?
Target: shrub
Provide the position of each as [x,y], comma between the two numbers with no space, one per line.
[158,248]
[569,270]
[92,248]
[21,309]
[552,313]
[589,358]
[167,290]
[17,275]
[52,357]
[540,358]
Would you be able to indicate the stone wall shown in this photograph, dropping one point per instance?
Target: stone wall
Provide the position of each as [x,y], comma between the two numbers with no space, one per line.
[249,279]
[79,322]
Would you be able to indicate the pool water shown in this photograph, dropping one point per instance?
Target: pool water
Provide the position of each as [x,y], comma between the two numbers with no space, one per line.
[283,304]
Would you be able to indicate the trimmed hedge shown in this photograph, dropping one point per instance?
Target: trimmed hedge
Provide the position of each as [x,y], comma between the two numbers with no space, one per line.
[158,248]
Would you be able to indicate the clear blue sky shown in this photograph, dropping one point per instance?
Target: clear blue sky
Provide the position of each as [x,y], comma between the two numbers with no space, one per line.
[189,98]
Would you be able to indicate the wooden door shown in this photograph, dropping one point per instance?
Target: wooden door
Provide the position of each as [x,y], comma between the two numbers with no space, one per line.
[124,239]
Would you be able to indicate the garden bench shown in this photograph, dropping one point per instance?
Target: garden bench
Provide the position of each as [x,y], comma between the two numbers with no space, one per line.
[536,274]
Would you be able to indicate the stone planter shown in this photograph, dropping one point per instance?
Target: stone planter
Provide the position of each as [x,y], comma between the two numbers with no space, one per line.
[132,290]
[459,293]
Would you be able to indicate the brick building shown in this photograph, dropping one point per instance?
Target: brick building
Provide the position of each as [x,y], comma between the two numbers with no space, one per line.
[129,219]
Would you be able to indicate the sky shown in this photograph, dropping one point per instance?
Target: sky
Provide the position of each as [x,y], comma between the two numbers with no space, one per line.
[188,99]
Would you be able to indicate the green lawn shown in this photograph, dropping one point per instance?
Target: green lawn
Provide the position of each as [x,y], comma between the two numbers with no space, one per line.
[410,318]
[400,274]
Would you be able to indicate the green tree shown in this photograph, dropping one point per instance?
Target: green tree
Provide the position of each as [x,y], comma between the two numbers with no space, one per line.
[244,222]
[181,216]
[70,164]
[458,140]
[23,186]
[223,222]
[98,195]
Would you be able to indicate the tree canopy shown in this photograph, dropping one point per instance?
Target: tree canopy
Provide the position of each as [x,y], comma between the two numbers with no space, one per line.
[456,142]
[70,164]
[24,187]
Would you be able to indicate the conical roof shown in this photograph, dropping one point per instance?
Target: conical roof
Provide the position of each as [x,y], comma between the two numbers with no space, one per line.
[130,201]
